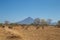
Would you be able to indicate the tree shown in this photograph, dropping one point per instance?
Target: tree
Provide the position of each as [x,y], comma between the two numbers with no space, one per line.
[2,25]
[58,23]
[36,22]
[49,21]
[43,23]
[6,22]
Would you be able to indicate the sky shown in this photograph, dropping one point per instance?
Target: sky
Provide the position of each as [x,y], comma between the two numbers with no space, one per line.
[17,10]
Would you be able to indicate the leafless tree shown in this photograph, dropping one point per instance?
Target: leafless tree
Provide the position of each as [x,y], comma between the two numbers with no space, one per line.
[58,24]
[37,23]
[49,21]
[43,23]
[6,23]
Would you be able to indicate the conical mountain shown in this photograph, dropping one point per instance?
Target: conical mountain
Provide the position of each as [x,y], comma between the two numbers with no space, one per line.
[28,20]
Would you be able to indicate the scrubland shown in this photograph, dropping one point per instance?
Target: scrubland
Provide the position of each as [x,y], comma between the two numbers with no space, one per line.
[30,33]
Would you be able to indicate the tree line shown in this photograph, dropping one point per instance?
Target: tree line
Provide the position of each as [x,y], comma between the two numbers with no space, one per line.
[37,23]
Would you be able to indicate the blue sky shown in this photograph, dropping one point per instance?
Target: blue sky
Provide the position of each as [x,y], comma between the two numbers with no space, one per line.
[17,10]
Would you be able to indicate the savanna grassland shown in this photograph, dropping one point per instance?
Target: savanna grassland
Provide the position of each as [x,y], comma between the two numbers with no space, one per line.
[29,33]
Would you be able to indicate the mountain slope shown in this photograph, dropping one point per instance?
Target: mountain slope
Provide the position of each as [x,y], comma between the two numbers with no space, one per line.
[28,20]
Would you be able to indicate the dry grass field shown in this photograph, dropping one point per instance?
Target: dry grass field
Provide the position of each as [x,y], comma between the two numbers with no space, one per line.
[19,33]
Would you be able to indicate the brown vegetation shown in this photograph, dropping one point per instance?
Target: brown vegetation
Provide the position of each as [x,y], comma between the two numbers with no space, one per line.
[29,32]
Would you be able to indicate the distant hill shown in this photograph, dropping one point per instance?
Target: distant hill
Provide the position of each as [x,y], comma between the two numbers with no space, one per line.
[28,20]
